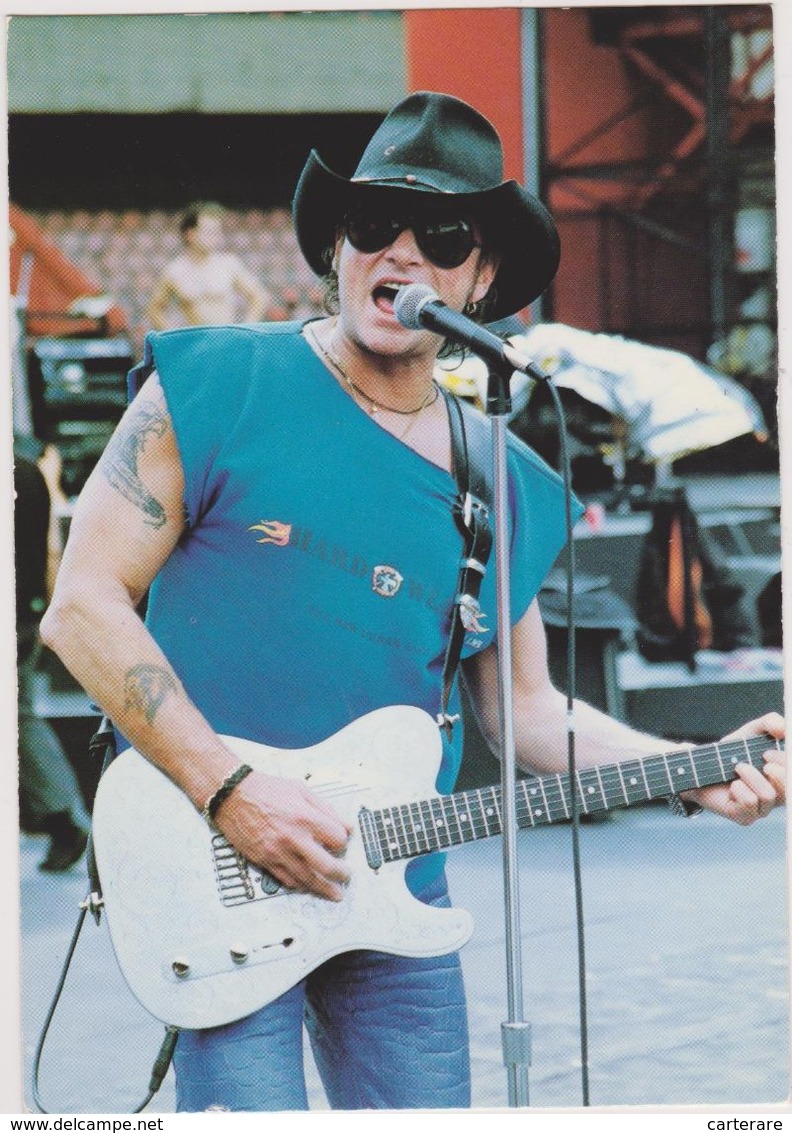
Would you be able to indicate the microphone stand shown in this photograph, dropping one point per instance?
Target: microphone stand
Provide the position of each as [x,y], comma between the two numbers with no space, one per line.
[515,1031]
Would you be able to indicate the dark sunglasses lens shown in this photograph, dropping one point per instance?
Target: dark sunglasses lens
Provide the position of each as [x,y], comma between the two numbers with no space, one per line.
[447,243]
[368,232]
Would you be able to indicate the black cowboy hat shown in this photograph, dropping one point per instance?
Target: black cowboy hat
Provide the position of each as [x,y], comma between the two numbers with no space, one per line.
[435,144]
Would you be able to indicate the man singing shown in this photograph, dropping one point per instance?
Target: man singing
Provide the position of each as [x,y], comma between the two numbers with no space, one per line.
[285,493]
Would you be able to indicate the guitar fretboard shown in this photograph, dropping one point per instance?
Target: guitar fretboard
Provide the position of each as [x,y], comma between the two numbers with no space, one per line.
[438,823]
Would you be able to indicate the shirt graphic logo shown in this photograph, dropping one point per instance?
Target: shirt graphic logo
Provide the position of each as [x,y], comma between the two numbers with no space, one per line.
[274,531]
[386,580]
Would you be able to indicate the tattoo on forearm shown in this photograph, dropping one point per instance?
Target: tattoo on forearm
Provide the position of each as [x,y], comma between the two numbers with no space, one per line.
[120,462]
[145,688]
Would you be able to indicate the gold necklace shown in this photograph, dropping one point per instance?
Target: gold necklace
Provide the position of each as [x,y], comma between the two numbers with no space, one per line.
[374,407]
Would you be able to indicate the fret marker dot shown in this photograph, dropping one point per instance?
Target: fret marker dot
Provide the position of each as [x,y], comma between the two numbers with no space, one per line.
[393,846]
[591,790]
[538,812]
[463,818]
[490,810]
[633,781]
[418,828]
[389,822]
[533,790]
[680,771]
[439,822]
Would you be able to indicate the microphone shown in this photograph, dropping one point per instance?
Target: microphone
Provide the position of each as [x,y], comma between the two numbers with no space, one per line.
[418,306]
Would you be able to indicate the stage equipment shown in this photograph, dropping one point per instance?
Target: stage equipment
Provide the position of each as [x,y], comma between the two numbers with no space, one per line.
[626,400]
[78,394]
[663,404]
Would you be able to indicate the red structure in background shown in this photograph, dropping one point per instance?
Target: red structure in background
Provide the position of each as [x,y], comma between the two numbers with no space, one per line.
[487,42]
[54,285]
[629,165]
[625,133]
[473,54]
[592,117]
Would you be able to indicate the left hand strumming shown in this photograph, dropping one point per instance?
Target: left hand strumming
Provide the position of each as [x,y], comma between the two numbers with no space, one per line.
[754,793]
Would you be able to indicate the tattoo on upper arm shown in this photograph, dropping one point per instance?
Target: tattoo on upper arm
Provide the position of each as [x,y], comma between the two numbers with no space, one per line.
[120,461]
[145,689]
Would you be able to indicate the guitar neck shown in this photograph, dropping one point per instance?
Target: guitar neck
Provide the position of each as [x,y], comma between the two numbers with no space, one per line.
[412,829]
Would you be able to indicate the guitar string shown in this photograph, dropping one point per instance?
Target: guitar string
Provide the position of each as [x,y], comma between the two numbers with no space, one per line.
[655,766]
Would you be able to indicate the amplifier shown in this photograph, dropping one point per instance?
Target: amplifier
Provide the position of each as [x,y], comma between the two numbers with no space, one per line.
[78,393]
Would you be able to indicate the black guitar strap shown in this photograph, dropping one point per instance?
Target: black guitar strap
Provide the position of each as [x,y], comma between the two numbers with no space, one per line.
[471,456]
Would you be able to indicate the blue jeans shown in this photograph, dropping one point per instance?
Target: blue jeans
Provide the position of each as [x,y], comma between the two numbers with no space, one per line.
[387,1032]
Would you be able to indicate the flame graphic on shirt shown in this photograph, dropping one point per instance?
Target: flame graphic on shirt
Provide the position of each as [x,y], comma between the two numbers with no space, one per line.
[274,531]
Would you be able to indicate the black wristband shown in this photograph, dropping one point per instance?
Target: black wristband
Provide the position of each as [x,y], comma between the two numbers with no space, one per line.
[224,790]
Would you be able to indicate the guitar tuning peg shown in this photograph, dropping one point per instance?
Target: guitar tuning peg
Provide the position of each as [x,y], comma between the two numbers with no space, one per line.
[239,954]
[180,967]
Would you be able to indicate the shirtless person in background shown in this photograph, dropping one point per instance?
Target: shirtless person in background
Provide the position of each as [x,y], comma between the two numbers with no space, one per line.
[204,285]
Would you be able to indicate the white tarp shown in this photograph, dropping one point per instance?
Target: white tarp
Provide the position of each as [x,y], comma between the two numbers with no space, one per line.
[670,403]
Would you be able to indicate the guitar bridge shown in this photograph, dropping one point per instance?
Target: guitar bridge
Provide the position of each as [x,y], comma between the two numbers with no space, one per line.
[232,873]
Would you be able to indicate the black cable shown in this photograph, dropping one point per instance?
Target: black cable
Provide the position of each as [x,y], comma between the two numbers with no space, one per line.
[566,472]
[52,1007]
[161,1064]
[164,1056]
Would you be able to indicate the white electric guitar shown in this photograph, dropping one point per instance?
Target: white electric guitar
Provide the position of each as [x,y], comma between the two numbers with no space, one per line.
[203,937]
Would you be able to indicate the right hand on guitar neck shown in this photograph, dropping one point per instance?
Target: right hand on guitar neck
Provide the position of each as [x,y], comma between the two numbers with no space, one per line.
[283,827]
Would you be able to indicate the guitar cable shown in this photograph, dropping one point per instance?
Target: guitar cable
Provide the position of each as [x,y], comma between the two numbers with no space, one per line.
[102,740]
[571,662]
[164,1055]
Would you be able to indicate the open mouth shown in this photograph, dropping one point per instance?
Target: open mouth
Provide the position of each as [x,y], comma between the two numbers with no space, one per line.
[384,295]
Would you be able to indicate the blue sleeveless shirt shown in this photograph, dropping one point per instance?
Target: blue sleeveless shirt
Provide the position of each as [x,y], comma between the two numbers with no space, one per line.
[315,579]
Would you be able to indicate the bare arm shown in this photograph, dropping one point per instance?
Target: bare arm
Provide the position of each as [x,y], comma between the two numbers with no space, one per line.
[164,294]
[257,299]
[126,524]
[50,466]
[541,727]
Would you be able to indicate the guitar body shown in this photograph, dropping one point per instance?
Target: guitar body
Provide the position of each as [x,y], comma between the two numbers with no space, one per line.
[203,938]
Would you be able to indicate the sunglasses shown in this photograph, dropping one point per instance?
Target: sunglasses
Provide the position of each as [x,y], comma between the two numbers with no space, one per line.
[446,241]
